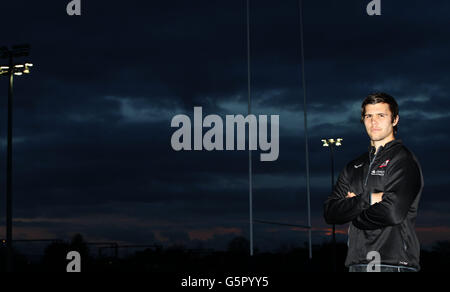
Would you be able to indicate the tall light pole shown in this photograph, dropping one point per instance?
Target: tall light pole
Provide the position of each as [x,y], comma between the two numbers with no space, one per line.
[331,143]
[250,174]
[305,123]
[11,70]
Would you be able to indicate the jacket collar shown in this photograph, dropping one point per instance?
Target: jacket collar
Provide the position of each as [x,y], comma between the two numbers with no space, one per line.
[386,146]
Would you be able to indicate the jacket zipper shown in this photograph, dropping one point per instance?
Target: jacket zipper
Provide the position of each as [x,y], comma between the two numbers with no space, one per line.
[370,167]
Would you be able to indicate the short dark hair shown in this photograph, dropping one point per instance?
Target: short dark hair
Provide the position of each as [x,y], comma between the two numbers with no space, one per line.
[381,97]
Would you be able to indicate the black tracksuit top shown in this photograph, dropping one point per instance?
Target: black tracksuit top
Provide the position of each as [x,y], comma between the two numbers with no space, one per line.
[388,226]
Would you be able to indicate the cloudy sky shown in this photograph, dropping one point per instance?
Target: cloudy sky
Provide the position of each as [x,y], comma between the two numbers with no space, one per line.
[92,123]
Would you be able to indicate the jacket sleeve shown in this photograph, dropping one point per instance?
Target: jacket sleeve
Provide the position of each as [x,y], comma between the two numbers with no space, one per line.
[404,183]
[337,208]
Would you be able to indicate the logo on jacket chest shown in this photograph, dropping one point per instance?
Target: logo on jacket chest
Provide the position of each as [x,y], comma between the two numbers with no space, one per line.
[384,164]
[377,172]
[380,170]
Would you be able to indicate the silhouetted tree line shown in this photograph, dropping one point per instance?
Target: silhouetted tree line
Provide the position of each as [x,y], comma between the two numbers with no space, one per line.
[181,259]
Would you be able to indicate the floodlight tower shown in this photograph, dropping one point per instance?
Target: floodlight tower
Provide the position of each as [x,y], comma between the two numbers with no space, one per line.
[11,70]
[331,143]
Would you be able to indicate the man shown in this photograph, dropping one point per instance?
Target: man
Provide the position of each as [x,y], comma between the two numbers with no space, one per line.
[378,193]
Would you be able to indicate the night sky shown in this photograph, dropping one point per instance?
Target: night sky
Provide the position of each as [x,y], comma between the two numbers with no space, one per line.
[92,151]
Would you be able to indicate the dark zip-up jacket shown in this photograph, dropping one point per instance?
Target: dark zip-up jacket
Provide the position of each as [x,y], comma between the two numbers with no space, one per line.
[388,226]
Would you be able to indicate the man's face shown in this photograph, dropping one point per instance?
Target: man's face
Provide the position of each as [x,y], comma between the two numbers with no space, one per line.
[378,122]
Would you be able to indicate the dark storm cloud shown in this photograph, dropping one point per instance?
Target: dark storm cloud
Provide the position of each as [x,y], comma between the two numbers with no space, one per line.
[92,122]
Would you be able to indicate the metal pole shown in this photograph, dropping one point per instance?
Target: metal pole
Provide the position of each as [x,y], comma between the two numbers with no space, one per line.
[305,120]
[9,256]
[250,184]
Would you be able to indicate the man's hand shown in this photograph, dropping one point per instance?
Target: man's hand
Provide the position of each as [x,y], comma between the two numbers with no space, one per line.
[350,195]
[376,198]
